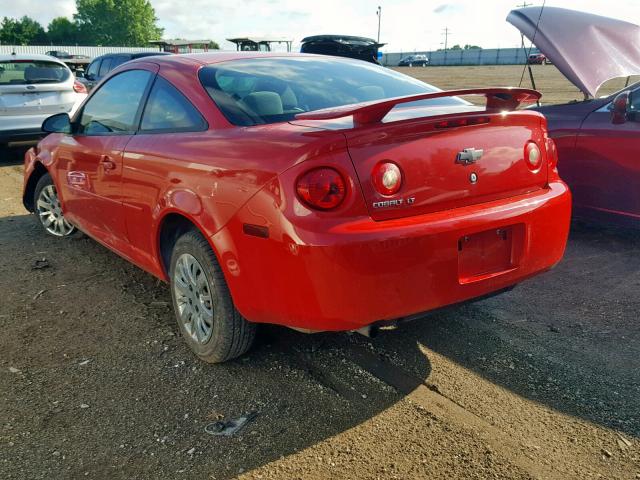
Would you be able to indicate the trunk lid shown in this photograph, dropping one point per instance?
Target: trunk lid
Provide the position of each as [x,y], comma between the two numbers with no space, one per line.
[426,150]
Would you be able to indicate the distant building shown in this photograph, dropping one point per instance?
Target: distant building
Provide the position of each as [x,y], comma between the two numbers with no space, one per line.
[182,46]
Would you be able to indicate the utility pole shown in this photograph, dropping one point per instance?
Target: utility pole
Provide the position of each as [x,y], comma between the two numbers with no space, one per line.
[446,32]
[379,14]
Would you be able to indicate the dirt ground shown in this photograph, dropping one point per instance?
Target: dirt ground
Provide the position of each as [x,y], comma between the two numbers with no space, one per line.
[540,382]
[555,88]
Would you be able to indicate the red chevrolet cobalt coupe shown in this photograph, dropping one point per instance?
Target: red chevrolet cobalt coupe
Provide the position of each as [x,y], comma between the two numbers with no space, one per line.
[314,192]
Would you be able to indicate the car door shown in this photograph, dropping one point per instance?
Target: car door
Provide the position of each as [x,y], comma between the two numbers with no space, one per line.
[90,159]
[169,139]
[608,179]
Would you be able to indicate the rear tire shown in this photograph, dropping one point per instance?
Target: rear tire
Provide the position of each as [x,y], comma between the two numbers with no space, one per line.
[46,206]
[208,320]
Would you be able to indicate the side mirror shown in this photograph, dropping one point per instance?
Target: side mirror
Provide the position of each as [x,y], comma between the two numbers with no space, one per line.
[89,76]
[59,123]
[79,74]
[620,108]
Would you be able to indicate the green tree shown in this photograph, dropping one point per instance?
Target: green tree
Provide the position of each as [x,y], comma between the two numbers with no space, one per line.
[62,31]
[117,22]
[471,47]
[25,31]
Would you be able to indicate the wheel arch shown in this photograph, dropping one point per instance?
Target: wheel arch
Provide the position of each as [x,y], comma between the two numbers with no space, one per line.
[39,171]
[170,227]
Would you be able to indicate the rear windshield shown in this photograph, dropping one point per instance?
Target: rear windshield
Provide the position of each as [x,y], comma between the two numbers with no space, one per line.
[268,90]
[25,72]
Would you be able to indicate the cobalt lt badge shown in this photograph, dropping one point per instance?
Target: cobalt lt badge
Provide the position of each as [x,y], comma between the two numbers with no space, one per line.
[473,177]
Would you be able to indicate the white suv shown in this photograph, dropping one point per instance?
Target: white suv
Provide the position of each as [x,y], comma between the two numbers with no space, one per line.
[32,88]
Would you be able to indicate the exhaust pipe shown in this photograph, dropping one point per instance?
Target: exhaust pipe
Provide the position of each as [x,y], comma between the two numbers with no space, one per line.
[370,331]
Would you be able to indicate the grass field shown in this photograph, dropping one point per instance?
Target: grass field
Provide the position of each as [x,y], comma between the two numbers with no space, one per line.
[554,86]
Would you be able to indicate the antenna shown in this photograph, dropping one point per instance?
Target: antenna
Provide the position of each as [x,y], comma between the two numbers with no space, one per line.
[524,5]
[533,38]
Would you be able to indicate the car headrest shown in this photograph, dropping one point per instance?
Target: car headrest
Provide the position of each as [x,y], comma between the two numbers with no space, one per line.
[370,92]
[264,103]
[289,99]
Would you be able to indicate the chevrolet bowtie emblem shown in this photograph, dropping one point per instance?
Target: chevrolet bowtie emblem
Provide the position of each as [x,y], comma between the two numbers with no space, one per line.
[469,156]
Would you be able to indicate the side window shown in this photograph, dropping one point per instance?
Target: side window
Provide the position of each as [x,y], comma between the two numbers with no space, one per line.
[92,71]
[168,110]
[634,103]
[105,67]
[114,107]
[116,61]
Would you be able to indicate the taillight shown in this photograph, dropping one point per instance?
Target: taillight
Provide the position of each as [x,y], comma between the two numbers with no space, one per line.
[533,156]
[79,87]
[552,153]
[387,178]
[322,188]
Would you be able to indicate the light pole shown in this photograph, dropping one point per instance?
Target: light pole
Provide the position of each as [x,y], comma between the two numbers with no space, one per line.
[379,14]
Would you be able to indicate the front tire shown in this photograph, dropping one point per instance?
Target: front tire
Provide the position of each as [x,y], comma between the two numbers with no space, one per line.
[211,325]
[46,206]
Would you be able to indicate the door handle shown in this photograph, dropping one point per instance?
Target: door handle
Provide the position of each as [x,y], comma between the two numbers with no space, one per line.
[107,162]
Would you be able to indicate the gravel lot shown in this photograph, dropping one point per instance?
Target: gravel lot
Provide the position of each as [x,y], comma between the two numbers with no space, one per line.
[540,382]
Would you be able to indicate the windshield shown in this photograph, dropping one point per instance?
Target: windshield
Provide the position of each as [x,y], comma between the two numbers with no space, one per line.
[268,90]
[26,72]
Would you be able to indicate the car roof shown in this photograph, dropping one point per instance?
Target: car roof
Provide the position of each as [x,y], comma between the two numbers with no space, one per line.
[219,56]
[132,55]
[30,56]
[147,54]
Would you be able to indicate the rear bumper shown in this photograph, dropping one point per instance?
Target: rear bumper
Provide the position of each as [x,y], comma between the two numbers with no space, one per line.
[367,271]
[21,128]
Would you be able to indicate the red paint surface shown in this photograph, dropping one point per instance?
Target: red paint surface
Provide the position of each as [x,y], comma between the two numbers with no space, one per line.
[323,270]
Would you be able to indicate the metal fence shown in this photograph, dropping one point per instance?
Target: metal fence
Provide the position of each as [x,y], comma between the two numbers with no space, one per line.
[489,56]
[78,50]
[476,56]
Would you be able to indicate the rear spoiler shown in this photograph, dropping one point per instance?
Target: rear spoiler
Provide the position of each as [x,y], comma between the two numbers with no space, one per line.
[498,99]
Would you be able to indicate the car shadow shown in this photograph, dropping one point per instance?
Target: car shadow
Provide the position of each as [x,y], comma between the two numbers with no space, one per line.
[13,155]
[92,329]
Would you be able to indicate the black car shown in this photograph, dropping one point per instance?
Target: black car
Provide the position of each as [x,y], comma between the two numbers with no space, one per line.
[414,60]
[360,48]
[103,64]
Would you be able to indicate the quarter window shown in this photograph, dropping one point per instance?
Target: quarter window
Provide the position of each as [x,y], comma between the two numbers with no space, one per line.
[634,101]
[168,110]
[105,67]
[92,71]
[114,107]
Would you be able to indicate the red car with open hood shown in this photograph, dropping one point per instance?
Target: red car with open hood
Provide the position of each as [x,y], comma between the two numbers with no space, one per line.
[598,139]
[315,192]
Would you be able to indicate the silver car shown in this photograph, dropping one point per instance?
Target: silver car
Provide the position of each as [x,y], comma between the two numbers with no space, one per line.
[32,88]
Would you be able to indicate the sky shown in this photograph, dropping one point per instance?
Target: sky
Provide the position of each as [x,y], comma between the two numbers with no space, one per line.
[406,25]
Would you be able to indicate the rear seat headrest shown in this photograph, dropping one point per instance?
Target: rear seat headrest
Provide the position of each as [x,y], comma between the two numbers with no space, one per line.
[264,103]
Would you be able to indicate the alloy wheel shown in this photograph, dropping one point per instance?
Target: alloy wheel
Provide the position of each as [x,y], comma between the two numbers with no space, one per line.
[193,298]
[50,213]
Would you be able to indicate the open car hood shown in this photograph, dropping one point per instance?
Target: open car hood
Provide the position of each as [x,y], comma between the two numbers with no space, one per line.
[588,49]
